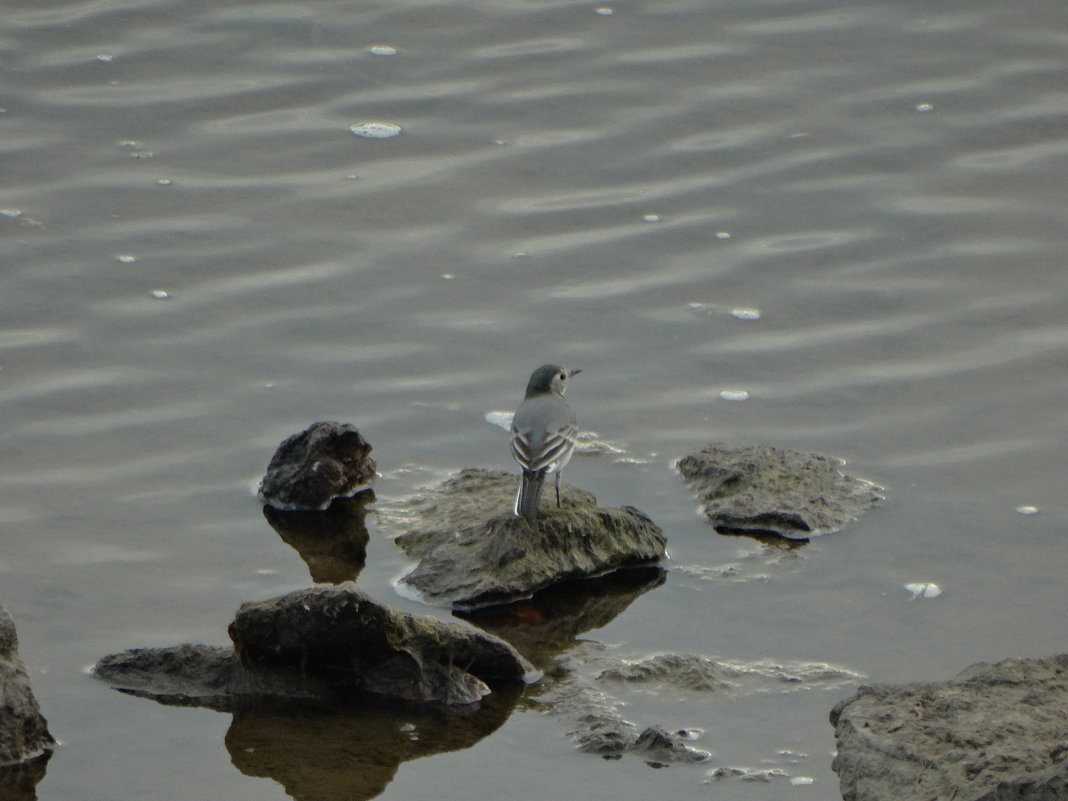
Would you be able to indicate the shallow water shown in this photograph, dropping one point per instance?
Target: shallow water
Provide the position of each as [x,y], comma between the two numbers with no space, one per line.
[884,182]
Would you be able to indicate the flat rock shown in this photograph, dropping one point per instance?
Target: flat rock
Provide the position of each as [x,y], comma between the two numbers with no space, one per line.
[468,561]
[321,643]
[992,733]
[309,470]
[24,732]
[758,489]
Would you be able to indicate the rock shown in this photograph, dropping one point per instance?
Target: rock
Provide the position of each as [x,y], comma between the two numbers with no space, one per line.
[658,744]
[684,671]
[325,461]
[323,643]
[332,542]
[467,560]
[758,489]
[993,733]
[24,732]
[342,636]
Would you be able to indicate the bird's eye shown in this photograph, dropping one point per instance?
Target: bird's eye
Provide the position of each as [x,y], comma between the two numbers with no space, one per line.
[563,376]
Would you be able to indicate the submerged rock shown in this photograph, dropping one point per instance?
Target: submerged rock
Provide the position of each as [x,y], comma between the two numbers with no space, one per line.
[308,470]
[24,732]
[758,489]
[467,560]
[324,642]
[993,733]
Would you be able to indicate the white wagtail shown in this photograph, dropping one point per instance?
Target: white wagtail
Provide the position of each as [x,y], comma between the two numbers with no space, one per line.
[543,434]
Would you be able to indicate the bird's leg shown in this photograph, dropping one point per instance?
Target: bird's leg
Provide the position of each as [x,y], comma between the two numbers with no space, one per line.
[558,472]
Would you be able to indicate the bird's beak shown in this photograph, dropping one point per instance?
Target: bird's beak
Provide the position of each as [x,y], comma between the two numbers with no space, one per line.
[575,373]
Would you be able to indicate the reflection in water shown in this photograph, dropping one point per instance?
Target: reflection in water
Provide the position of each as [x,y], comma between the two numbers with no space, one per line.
[332,542]
[332,754]
[548,622]
[19,782]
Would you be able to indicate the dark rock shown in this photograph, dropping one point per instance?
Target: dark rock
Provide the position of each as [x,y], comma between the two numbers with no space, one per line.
[993,733]
[342,636]
[323,643]
[469,561]
[325,461]
[332,542]
[758,489]
[24,732]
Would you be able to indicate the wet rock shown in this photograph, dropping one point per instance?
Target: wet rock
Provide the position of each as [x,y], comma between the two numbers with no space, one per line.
[332,542]
[467,560]
[660,745]
[758,489]
[342,636]
[325,642]
[993,733]
[308,470]
[686,671]
[24,732]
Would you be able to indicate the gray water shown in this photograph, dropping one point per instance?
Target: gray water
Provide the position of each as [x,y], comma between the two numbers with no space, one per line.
[198,258]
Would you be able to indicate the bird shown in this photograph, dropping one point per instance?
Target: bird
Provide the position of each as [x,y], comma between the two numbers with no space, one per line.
[543,434]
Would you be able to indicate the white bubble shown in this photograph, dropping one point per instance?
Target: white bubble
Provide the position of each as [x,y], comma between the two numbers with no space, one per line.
[375,130]
[924,589]
[723,235]
[12,213]
[924,107]
[161,294]
[746,314]
[604,11]
[802,781]
[383,50]
[734,395]
[164,182]
[105,58]
[448,276]
[1027,510]
[651,217]
[126,258]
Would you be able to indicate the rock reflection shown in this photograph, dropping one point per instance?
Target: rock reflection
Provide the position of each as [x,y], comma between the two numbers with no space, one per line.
[548,622]
[19,782]
[353,754]
[333,542]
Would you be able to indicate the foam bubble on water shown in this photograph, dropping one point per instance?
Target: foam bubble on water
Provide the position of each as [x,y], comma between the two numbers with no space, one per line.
[161,294]
[383,50]
[12,213]
[723,235]
[746,314]
[105,58]
[734,395]
[651,217]
[375,130]
[1027,510]
[126,258]
[922,107]
[924,589]
[500,419]
[604,11]
[448,276]
[802,781]
[164,182]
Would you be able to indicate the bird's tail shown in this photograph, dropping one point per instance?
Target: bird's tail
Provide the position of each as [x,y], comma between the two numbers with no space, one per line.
[530,486]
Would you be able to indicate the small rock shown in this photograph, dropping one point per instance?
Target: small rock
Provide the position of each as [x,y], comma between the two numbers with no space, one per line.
[24,734]
[758,489]
[658,744]
[308,470]
[993,732]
